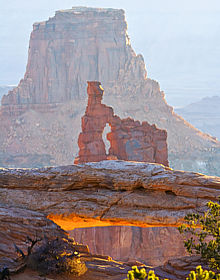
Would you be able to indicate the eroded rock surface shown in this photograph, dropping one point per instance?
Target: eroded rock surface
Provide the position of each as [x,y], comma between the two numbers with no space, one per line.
[40,118]
[16,223]
[92,194]
[129,139]
[113,192]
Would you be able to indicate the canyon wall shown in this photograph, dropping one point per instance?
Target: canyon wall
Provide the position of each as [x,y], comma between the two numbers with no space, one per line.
[40,118]
[153,246]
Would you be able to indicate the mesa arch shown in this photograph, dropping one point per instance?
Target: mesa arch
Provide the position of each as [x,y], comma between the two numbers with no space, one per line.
[108,193]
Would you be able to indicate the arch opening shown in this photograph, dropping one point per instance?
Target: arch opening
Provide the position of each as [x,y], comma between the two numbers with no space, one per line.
[106,130]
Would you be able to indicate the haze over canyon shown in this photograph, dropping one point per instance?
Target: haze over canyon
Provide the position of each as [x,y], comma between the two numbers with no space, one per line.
[51,119]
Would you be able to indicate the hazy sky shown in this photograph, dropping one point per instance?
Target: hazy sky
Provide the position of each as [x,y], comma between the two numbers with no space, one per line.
[179,40]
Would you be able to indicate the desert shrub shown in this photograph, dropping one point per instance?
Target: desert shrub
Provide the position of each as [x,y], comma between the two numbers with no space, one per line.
[57,256]
[204,231]
[199,274]
[204,240]
[141,274]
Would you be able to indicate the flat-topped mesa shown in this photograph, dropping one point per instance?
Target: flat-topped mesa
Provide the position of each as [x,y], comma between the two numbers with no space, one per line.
[76,37]
[129,139]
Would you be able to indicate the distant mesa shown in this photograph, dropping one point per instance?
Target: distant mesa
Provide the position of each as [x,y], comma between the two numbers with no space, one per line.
[204,115]
[129,139]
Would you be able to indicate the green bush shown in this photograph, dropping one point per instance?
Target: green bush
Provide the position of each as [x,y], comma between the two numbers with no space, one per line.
[204,233]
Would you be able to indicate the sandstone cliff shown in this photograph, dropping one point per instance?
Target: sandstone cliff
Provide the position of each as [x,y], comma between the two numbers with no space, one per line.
[152,246]
[4,90]
[40,119]
[102,194]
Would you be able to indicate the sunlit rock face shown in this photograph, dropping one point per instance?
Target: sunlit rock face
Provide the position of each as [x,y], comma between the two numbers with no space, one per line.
[40,118]
[129,139]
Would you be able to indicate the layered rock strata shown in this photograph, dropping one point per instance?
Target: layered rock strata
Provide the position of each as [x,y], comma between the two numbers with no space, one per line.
[40,118]
[17,223]
[103,193]
[108,193]
[129,139]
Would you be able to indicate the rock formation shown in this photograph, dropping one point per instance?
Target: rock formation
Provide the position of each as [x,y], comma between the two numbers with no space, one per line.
[103,193]
[109,193]
[40,118]
[129,139]
[16,223]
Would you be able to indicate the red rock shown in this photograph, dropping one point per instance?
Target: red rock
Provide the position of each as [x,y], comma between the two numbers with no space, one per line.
[151,246]
[129,139]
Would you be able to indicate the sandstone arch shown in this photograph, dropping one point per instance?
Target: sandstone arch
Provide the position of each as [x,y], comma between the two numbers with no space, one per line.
[108,193]
[93,194]
[129,139]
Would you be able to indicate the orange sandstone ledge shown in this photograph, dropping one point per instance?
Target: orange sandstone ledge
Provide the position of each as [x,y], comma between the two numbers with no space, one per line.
[72,222]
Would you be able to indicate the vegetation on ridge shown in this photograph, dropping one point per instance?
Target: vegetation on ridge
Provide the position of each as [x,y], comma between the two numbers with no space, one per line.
[199,274]
[204,230]
[204,233]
